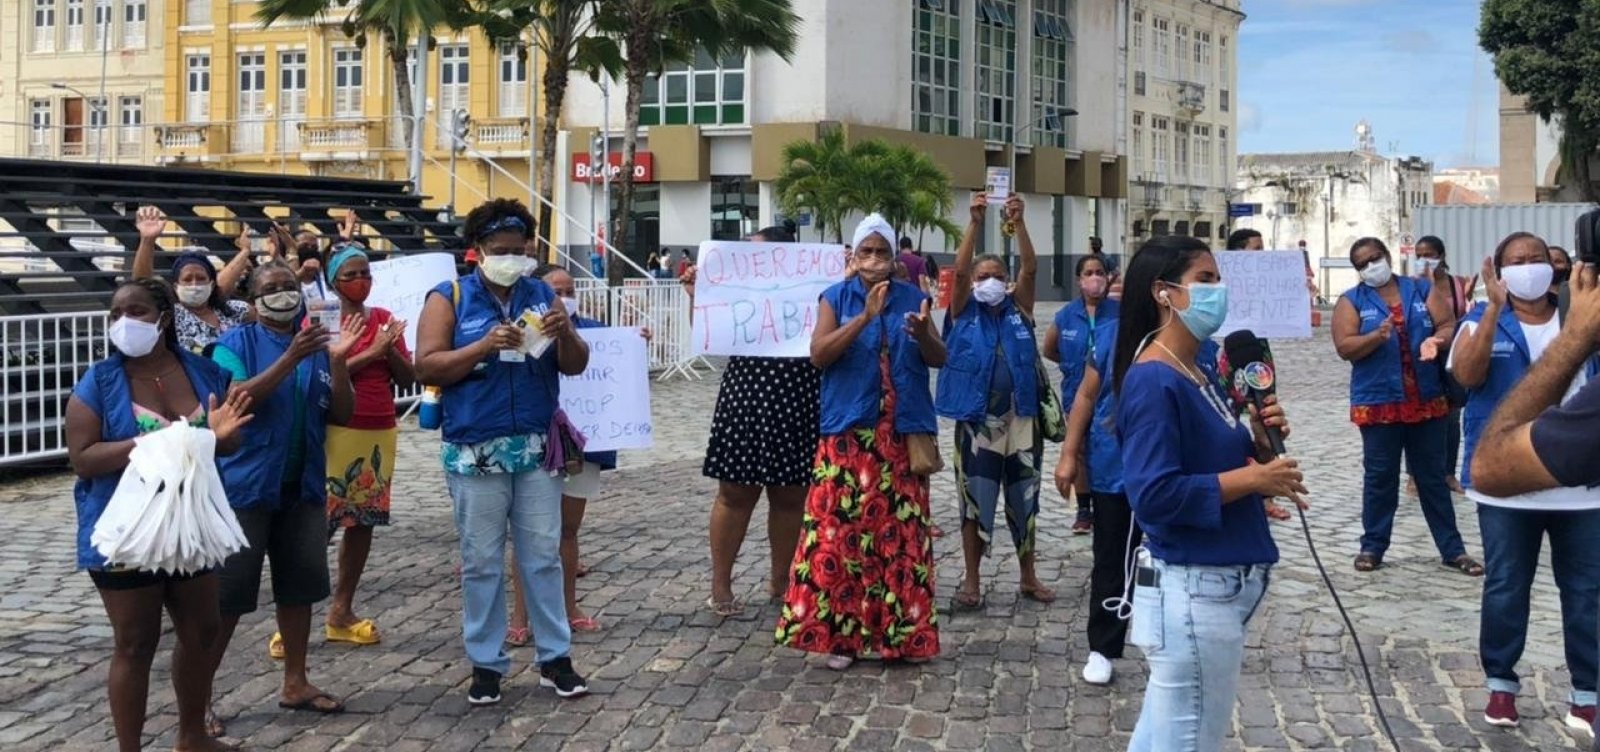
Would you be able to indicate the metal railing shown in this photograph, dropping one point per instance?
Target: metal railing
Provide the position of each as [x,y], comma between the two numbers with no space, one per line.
[41,359]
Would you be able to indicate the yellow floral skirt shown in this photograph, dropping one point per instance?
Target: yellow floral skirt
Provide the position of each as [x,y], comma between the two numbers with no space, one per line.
[360,465]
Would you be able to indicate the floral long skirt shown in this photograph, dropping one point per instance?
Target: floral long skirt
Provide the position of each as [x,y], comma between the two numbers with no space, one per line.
[360,465]
[862,583]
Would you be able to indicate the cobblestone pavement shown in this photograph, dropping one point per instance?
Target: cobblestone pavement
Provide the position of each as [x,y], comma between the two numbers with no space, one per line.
[667,674]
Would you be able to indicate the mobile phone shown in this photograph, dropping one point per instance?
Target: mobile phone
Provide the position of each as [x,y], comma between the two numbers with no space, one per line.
[1147,577]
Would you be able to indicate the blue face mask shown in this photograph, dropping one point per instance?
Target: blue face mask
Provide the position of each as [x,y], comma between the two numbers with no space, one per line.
[1208,308]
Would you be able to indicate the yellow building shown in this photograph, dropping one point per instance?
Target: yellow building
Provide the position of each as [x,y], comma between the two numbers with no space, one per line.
[300,97]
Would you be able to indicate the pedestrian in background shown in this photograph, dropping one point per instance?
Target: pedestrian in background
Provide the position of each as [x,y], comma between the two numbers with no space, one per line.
[205,309]
[1070,342]
[1432,266]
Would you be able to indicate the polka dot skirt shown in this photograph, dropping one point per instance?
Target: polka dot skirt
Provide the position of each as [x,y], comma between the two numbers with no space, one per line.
[767,423]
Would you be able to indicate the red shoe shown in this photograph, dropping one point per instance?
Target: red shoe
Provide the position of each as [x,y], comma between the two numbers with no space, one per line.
[1581,718]
[1082,526]
[1502,710]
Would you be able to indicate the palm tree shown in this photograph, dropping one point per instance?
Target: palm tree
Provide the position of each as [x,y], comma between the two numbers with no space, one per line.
[814,179]
[396,22]
[564,33]
[657,33]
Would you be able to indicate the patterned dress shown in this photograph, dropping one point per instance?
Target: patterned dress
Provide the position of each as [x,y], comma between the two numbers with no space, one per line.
[862,584]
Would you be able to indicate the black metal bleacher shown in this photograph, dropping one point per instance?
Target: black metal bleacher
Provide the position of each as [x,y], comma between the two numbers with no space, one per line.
[43,272]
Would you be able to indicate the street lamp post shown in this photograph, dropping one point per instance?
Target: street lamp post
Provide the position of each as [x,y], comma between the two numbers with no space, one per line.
[1011,162]
[97,108]
[103,11]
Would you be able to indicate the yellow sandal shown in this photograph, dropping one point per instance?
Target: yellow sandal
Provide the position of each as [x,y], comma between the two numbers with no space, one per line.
[275,647]
[363,632]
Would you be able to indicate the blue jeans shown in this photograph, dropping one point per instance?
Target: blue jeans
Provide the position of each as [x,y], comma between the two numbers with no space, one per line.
[529,504]
[1424,445]
[1511,540]
[1191,628]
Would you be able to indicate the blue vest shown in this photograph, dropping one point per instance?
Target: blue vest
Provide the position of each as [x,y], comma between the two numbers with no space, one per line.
[1077,339]
[498,399]
[1105,439]
[852,388]
[1509,359]
[1375,379]
[971,340]
[606,460]
[104,389]
[254,474]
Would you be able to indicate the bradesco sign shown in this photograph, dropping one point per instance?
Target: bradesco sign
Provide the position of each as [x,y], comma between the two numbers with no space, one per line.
[644,168]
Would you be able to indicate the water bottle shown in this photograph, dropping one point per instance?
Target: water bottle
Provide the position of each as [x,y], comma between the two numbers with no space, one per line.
[430,415]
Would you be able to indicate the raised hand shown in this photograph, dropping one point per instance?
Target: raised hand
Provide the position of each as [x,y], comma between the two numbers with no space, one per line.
[353,328]
[1493,285]
[877,298]
[227,418]
[1430,349]
[918,324]
[150,222]
[1385,330]
[347,226]
[555,322]
[1014,208]
[390,333]
[979,209]
[243,241]
[307,342]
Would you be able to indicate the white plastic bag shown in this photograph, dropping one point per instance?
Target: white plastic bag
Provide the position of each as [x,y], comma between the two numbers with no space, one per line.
[170,512]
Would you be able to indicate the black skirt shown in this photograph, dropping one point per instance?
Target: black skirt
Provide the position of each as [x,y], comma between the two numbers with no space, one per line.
[767,422]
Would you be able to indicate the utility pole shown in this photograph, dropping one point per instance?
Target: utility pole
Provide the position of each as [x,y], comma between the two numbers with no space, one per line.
[419,108]
[102,11]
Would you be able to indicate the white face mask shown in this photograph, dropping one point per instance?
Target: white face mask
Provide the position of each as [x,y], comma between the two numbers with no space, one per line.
[1528,281]
[1377,273]
[279,306]
[132,337]
[505,270]
[571,304]
[990,291]
[1426,266]
[194,295]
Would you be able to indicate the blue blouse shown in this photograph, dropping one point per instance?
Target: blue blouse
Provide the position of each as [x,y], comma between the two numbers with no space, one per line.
[1176,439]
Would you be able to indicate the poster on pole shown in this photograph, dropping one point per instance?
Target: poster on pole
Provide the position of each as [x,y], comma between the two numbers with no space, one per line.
[997,184]
[1267,293]
[401,284]
[761,298]
[609,402]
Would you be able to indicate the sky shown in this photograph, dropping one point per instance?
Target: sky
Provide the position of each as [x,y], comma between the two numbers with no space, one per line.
[1309,70]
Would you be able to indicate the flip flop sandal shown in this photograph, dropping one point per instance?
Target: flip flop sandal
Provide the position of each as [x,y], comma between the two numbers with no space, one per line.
[215,728]
[275,647]
[966,602]
[1466,565]
[1039,594]
[582,571]
[724,609]
[310,704]
[840,662]
[518,636]
[363,632]
[585,624]
[1366,562]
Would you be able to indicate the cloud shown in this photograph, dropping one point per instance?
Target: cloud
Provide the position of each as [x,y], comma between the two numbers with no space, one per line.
[1250,118]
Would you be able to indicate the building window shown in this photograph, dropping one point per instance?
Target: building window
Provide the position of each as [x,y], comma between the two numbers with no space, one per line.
[1222,61]
[1138,83]
[40,112]
[1224,165]
[44,25]
[132,119]
[197,102]
[134,14]
[1202,230]
[1052,71]
[74,25]
[99,120]
[1202,57]
[735,207]
[197,13]
[1163,46]
[455,75]
[1138,41]
[347,82]
[513,81]
[102,24]
[1161,146]
[936,91]
[707,93]
[1138,145]
[996,69]
[1159,227]
[1222,100]
[1181,227]
[251,107]
[1202,154]
[1180,58]
[291,96]
[1181,152]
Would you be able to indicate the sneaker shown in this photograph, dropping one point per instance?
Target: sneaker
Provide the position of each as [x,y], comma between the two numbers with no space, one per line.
[485,689]
[1097,670]
[560,675]
[1502,710]
[1581,718]
[1082,526]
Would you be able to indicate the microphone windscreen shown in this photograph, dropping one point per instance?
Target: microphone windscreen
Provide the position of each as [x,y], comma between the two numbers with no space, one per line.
[1243,347]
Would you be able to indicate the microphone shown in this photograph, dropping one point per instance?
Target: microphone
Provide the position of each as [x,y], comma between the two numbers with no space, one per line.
[1250,360]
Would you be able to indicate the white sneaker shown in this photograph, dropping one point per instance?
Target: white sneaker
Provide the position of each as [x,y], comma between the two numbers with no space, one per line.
[1097,670]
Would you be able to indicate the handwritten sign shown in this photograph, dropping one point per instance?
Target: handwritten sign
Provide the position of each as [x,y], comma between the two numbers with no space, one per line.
[1266,293]
[761,298]
[401,284]
[610,401]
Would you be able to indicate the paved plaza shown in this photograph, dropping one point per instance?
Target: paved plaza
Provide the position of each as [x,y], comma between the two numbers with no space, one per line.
[667,674]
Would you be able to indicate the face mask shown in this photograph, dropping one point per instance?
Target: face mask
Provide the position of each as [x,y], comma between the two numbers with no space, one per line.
[990,291]
[1093,287]
[504,270]
[279,306]
[1377,274]
[194,295]
[1528,281]
[355,290]
[571,304]
[1426,266]
[132,337]
[1208,308]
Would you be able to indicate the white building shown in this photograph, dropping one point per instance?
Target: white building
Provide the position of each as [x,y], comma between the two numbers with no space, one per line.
[1183,117]
[1331,199]
[963,80]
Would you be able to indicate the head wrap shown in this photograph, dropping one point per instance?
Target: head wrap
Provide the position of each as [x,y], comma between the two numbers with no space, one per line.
[342,253]
[188,258]
[510,222]
[874,223]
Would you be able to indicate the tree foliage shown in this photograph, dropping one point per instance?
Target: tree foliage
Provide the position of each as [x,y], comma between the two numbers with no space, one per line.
[1549,52]
[833,179]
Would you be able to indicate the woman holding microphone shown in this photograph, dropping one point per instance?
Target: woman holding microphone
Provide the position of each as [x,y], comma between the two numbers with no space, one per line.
[1195,475]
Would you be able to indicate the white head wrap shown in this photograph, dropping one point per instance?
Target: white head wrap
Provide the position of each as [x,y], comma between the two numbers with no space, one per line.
[874,223]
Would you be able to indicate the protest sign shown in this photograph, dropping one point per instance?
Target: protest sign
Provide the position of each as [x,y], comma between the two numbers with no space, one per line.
[761,298]
[997,185]
[401,284]
[1266,293]
[609,402]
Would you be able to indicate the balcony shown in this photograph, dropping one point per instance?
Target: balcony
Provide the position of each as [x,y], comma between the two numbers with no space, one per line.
[501,137]
[190,143]
[1197,199]
[1191,97]
[342,139]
